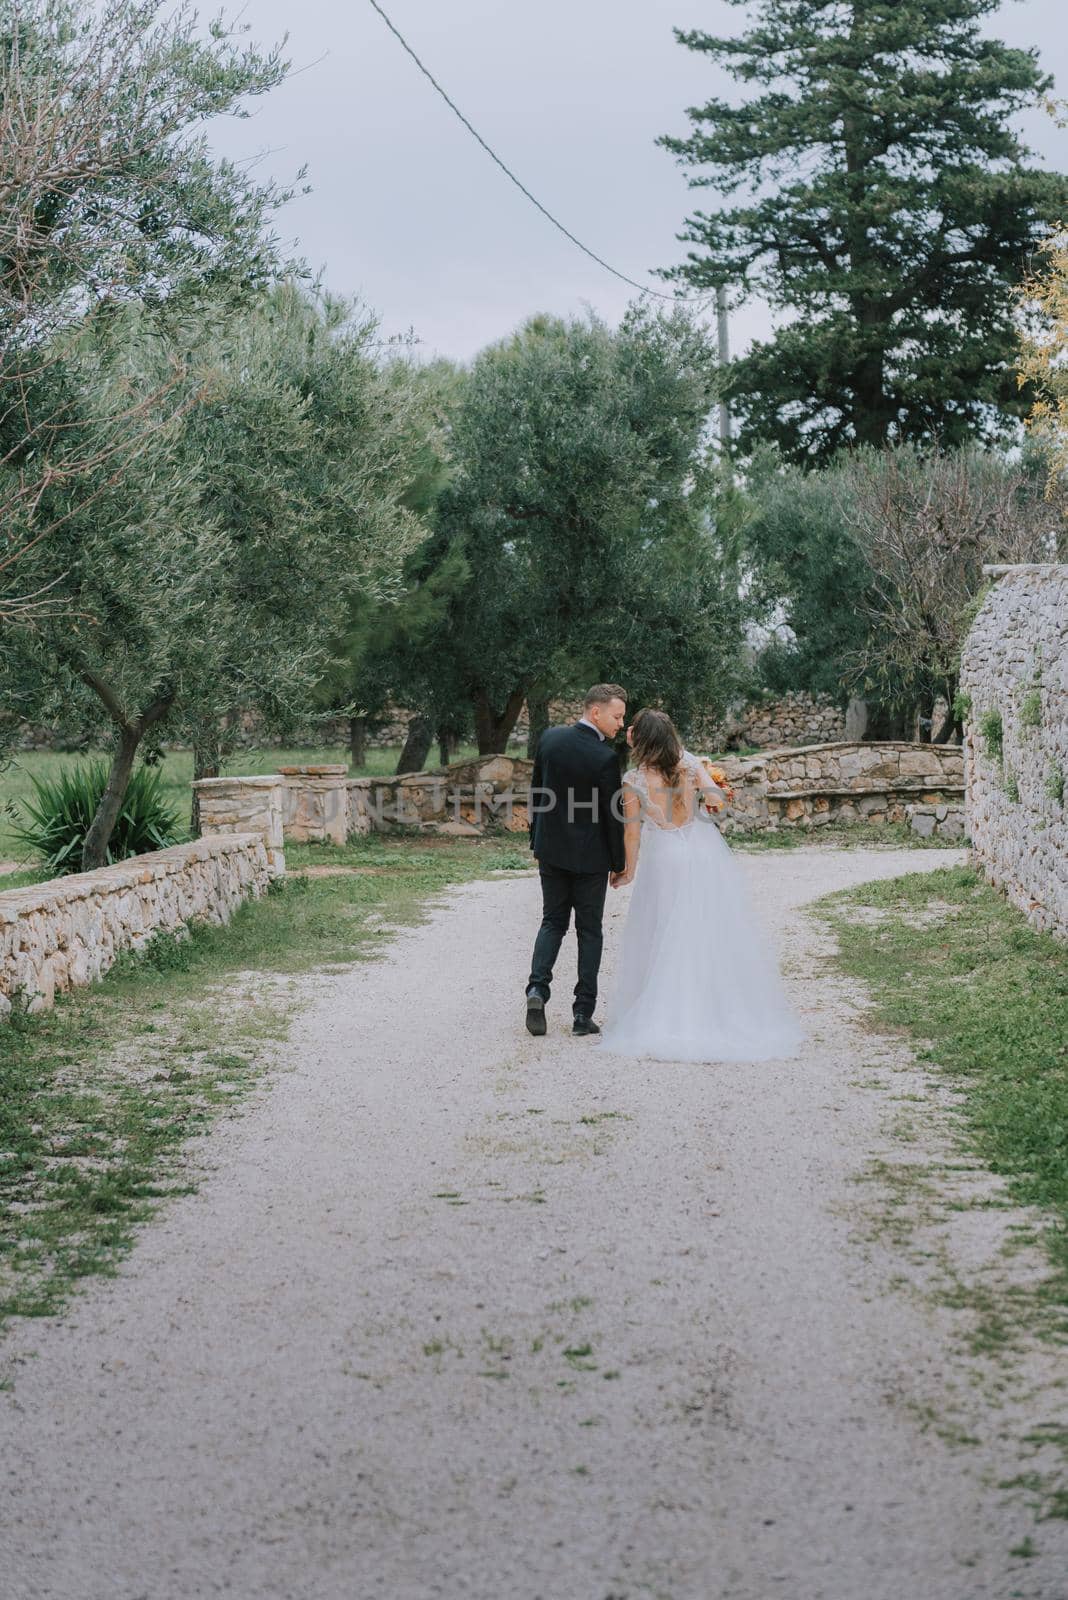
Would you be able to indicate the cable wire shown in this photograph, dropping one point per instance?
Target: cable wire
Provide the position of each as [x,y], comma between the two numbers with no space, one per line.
[453,107]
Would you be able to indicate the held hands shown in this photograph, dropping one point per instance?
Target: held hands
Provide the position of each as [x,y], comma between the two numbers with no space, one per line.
[618,879]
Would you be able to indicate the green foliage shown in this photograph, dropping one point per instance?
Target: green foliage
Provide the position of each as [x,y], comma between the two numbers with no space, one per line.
[1011,786]
[118,201]
[1031,709]
[1055,784]
[885,205]
[992,729]
[58,816]
[305,446]
[808,571]
[583,504]
[926,522]
[962,706]
[390,647]
[863,589]
[214,576]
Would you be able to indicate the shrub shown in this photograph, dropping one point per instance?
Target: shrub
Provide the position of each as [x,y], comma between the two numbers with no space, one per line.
[1055,784]
[1031,709]
[962,706]
[1012,788]
[990,726]
[58,817]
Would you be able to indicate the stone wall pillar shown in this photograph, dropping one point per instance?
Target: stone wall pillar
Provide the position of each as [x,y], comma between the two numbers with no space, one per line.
[315,803]
[245,805]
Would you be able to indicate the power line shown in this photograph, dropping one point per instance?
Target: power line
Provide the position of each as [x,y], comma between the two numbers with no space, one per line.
[601,262]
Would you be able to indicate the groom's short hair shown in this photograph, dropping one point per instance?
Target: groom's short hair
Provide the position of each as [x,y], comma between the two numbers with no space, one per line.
[601,693]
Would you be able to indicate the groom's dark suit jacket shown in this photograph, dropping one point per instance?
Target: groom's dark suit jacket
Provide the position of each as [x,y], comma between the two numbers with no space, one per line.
[587,835]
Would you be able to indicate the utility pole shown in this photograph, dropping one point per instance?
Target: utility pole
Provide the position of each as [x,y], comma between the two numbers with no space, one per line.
[724,358]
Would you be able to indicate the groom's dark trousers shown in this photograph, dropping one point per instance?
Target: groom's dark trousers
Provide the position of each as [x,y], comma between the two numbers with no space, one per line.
[576,833]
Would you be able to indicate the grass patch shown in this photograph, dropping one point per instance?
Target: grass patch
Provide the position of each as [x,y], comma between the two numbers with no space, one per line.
[98,1095]
[844,836]
[956,967]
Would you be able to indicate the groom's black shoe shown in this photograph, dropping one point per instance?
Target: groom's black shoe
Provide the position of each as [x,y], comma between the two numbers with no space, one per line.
[535,1013]
[583,1024]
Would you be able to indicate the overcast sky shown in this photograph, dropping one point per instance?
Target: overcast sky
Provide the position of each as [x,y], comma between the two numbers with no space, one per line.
[411,216]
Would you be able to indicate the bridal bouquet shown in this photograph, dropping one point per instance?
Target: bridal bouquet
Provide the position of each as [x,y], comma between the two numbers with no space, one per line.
[711,802]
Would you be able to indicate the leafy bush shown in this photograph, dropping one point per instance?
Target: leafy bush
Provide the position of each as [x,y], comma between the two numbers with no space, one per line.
[1012,788]
[1031,709]
[58,817]
[990,726]
[1055,784]
[962,706]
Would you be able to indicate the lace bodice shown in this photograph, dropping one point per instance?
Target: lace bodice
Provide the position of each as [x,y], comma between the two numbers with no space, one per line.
[658,804]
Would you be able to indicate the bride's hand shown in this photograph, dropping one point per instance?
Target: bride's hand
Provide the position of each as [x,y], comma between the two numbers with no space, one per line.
[618,879]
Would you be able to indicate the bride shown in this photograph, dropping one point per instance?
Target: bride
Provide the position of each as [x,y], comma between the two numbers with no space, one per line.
[695,981]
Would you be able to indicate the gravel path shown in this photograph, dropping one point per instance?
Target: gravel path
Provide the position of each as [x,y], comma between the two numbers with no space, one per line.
[460,1313]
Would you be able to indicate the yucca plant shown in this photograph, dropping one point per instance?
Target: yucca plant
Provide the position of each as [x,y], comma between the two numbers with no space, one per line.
[54,824]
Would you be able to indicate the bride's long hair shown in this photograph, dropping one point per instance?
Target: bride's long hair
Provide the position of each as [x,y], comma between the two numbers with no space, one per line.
[657,743]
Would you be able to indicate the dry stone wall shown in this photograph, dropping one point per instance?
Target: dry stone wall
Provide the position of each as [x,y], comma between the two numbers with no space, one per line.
[792,719]
[1014,672]
[58,935]
[811,785]
[805,786]
[462,798]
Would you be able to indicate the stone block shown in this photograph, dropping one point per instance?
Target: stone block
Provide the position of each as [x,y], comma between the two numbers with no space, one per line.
[498,770]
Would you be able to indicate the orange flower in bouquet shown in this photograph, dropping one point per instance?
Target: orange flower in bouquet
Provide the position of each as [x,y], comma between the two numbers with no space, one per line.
[712,802]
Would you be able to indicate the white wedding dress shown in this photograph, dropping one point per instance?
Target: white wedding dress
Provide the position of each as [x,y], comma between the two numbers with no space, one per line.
[696,980]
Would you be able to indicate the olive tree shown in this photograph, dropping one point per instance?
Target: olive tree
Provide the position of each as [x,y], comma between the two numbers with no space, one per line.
[109,194]
[583,484]
[215,575]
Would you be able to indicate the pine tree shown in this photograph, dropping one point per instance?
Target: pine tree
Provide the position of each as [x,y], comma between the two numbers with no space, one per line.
[886,211]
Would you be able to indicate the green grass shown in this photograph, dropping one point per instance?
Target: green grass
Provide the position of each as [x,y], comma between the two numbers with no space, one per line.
[844,836]
[954,966]
[177,771]
[97,1096]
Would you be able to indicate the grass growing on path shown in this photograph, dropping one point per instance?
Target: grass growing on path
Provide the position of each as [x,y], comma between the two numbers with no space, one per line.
[98,1095]
[953,965]
[843,836]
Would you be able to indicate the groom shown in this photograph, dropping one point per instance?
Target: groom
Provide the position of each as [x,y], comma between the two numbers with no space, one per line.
[576,833]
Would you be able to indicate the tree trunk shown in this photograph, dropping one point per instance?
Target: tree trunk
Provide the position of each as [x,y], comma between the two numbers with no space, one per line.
[871,416]
[357,743]
[952,729]
[856,719]
[207,760]
[417,744]
[447,745]
[492,728]
[130,734]
[95,847]
[538,720]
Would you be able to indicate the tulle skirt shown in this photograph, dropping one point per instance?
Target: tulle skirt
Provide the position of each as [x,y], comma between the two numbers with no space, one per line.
[696,979]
